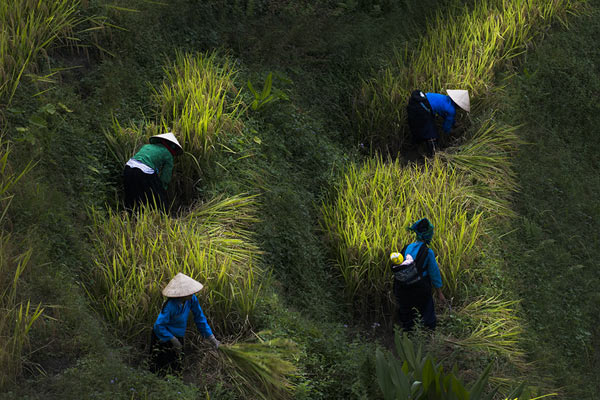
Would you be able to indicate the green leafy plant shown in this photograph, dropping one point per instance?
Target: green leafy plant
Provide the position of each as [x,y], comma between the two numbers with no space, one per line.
[265,97]
[417,376]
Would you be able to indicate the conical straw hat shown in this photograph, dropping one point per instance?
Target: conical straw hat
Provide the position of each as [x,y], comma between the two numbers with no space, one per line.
[169,137]
[461,98]
[181,286]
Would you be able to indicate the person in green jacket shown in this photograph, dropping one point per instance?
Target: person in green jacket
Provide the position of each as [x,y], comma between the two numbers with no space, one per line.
[147,174]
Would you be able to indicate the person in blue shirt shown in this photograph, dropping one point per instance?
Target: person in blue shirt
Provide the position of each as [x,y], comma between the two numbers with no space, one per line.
[167,341]
[422,109]
[417,295]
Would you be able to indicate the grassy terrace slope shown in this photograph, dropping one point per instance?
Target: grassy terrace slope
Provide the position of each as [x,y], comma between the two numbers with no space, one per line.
[75,284]
[553,250]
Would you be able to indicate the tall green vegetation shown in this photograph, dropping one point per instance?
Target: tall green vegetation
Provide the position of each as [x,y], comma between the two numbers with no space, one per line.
[375,204]
[27,29]
[135,256]
[417,376]
[462,191]
[200,103]
[16,315]
[463,48]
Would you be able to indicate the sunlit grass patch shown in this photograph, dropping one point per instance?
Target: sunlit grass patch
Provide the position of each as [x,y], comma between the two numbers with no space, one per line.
[462,48]
[484,154]
[262,369]
[376,202]
[491,325]
[136,256]
[199,102]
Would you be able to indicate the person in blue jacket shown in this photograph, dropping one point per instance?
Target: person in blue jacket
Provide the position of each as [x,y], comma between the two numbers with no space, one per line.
[422,109]
[167,341]
[418,295]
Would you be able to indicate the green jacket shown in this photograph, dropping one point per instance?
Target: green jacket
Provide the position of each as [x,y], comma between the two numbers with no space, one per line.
[157,157]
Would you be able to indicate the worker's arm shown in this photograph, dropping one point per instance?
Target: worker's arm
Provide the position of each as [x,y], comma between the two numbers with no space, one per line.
[434,274]
[200,318]
[161,325]
[167,171]
[449,119]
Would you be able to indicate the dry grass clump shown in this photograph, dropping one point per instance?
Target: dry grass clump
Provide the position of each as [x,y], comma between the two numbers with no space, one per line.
[462,48]
[136,256]
[368,217]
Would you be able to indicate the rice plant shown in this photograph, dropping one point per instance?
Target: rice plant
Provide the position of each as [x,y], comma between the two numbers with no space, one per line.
[367,219]
[491,325]
[27,29]
[136,256]
[261,370]
[484,154]
[199,102]
[463,48]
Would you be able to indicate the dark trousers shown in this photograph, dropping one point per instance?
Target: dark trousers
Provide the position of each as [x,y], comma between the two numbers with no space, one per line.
[141,188]
[164,359]
[422,128]
[416,297]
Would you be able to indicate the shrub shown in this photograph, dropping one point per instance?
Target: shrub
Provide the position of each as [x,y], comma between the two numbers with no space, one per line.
[135,256]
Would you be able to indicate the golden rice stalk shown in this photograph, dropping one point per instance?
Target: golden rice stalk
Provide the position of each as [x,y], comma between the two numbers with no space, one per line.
[262,369]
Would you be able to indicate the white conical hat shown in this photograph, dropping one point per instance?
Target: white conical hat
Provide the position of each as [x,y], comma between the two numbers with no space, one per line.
[461,98]
[169,137]
[181,286]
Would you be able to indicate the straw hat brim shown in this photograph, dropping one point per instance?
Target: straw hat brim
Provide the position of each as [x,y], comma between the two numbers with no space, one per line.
[181,285]
[168,137]
[461,98]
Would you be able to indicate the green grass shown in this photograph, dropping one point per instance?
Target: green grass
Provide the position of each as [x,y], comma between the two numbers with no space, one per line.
[289,153]
[552,252]
[17,315]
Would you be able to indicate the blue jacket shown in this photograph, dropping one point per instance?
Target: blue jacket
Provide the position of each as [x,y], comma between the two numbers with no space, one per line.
[173,318]
[431,266]
[443,106]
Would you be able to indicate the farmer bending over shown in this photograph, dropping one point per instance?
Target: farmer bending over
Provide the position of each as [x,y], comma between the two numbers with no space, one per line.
[166,345]
[147,174]
[422,109]
[415,271]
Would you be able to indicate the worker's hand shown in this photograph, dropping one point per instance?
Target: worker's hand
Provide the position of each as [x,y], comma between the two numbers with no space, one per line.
[214,341]
[176,344]
[441,297]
